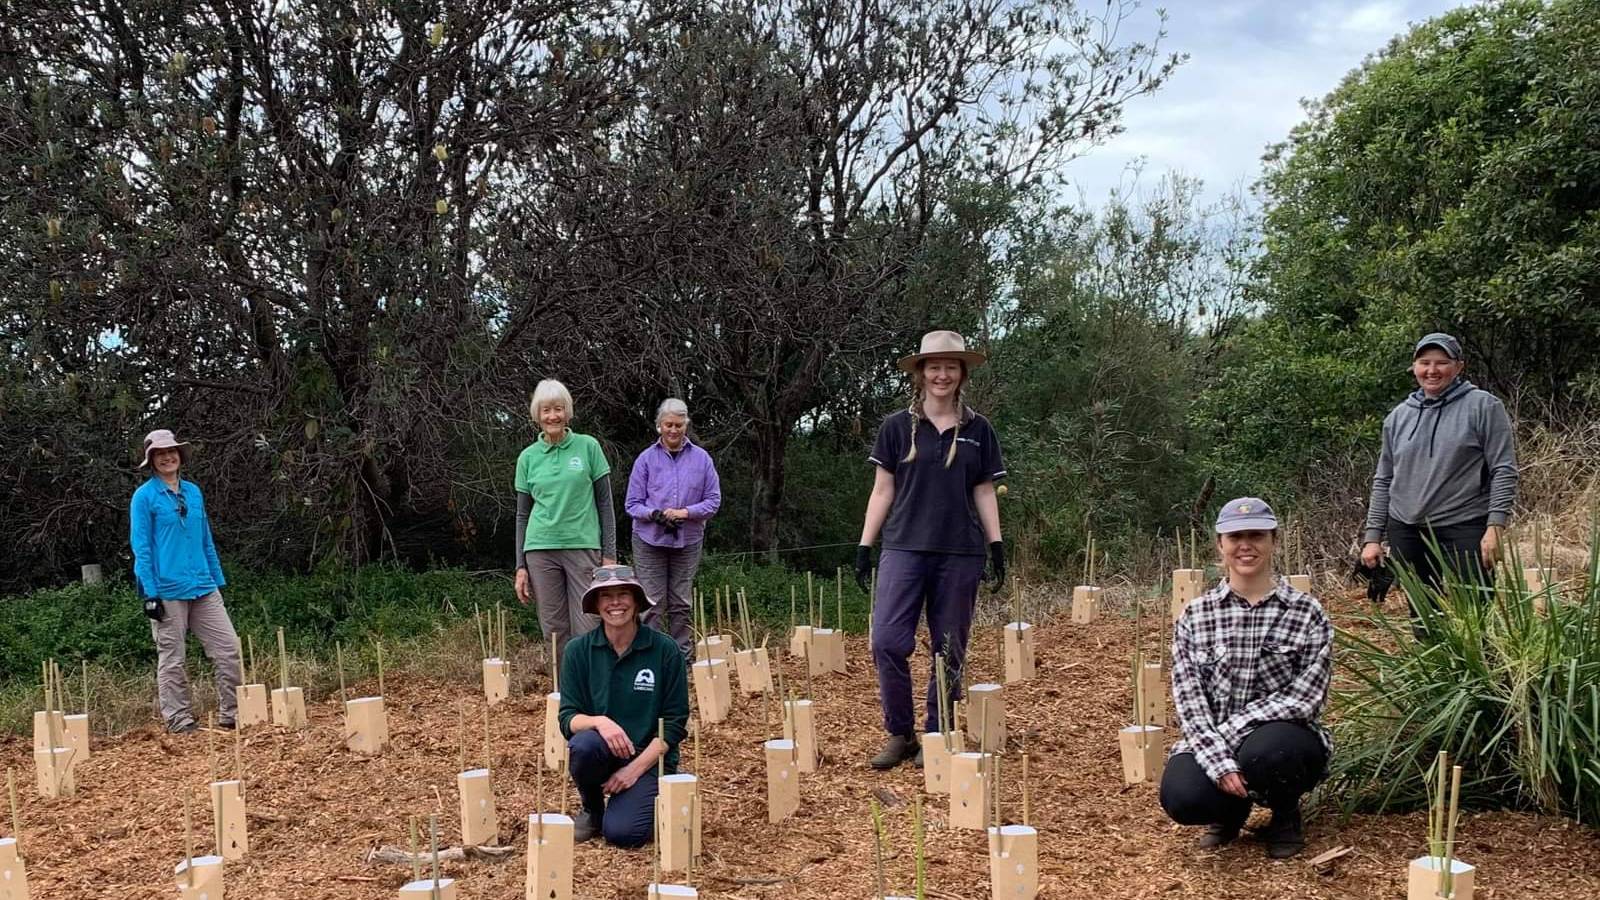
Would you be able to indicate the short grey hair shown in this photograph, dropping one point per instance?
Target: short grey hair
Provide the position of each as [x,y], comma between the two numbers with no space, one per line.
[550,391]
[672,406]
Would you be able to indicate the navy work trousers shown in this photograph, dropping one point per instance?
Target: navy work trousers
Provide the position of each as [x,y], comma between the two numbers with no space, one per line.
[629,819]
[909,582]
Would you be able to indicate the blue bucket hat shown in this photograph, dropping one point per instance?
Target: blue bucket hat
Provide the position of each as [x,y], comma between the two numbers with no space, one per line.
[1246,514]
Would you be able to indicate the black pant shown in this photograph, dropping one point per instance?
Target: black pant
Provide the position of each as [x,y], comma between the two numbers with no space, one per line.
[1459,558]
[1279,761]
[1459,544]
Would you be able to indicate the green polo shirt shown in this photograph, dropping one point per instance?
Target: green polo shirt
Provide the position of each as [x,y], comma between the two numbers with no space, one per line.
[560,480]
[647,683]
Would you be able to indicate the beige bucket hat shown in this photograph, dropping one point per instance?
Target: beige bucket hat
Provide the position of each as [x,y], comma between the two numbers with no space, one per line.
[162,439]
[615,576]
[943,345]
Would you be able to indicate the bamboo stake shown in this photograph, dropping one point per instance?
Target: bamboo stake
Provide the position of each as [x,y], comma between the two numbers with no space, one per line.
[338,655]
[211,743]
[657,825]
[461,735]
[1027,818]
[283,663]
[811,604]
[555,667]
[188,838]
[488,740]
[238,760]
[1450,833]
[433,843]
[379,647]
[942,692]
[920,839]
[50,728]
[877,843]
[839,598]
[477,622]
[791,609]
[16,820]
[416,864]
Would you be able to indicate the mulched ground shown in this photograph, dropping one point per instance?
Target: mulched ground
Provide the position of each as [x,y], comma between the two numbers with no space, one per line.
[122,833]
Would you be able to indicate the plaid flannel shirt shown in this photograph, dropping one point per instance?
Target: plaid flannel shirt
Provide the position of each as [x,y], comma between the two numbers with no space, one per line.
[1237,666]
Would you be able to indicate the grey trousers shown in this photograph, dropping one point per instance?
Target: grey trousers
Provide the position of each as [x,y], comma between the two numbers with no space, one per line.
[560,578]
[208,620]
[667,574]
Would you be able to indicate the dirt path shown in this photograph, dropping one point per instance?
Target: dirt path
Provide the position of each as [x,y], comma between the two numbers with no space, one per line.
[122,834]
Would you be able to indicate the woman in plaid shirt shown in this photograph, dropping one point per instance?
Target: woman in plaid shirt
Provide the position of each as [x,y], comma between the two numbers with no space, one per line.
[1251,661]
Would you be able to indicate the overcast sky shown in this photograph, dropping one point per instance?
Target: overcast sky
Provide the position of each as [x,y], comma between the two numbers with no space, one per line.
[1250,64]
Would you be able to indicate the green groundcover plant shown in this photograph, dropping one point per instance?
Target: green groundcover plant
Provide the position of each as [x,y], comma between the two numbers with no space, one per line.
[1506,680]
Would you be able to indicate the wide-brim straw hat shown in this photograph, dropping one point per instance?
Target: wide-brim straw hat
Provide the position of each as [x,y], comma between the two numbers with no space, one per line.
[162,439]
[615,576]
[943,345]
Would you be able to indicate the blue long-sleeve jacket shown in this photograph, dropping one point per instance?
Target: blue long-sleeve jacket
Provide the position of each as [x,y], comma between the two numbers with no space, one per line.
[174,557]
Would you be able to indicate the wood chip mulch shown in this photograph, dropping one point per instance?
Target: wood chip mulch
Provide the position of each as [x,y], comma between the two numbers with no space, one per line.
[317,811]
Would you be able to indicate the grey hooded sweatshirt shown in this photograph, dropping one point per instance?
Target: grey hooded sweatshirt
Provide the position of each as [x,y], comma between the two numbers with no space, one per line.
[1445,460]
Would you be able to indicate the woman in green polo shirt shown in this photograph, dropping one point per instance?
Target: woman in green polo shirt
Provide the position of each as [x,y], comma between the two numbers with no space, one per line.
[565,524]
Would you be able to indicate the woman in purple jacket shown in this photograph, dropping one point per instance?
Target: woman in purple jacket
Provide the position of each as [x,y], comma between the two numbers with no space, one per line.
[672,490]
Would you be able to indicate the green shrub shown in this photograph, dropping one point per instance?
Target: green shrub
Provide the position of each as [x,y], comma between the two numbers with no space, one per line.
[1513,694]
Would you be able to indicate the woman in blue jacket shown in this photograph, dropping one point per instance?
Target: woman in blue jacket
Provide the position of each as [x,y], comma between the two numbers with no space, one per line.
[177,573]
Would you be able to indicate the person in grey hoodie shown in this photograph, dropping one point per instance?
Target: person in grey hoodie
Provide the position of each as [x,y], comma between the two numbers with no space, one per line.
[1447,471]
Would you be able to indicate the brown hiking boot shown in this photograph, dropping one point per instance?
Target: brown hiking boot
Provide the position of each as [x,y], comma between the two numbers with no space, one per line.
[896,750]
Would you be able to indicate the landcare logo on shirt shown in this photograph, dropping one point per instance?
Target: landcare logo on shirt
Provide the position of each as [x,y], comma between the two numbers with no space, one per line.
[575,464]
[645,680]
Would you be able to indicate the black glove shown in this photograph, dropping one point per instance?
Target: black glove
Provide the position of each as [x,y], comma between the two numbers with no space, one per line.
[864,567]
[997,565]
[659,517]
[154,608]
[1379,579]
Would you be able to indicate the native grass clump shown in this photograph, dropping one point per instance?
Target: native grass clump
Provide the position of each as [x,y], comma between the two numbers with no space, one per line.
[1509,686]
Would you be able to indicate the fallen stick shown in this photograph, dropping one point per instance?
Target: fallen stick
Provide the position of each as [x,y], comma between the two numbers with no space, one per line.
[399,856]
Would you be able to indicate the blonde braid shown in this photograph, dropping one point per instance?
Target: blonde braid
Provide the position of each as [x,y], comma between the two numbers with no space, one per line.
[915,408]
[955,439]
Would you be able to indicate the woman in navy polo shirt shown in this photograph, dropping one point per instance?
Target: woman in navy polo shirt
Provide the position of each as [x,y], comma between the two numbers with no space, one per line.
[933,497]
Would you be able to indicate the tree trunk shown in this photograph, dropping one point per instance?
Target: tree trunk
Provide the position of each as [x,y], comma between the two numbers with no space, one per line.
[766,488]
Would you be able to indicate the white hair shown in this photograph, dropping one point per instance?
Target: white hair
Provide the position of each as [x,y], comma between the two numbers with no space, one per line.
[672,406]
[550,392]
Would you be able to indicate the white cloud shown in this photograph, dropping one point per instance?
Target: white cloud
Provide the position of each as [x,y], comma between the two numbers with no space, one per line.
[1251,63]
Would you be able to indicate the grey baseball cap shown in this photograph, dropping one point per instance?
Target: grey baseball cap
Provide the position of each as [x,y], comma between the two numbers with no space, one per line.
[1450,346]
[1246,514]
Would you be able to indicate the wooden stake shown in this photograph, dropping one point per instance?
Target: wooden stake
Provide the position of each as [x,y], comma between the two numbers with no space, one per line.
[942,692]
[791,609]
[433,844]
[1450,832]
[477,622]
[338,655]
[555,667]
[921,846]
[86,687]
[839,598]
[1027,818]
[811,604]
[379,647]
[211,746]
[188,838]
[461,734]
[488,740]
[250,640]
[238,759]
[16,820]
[416,864]
[283,663]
